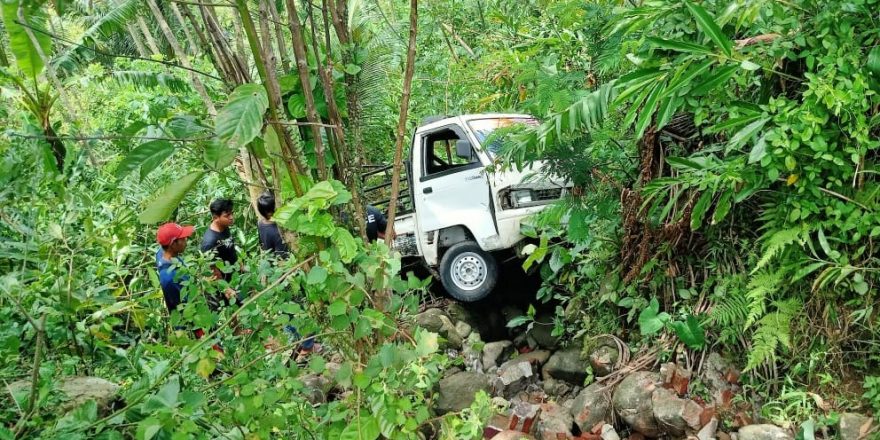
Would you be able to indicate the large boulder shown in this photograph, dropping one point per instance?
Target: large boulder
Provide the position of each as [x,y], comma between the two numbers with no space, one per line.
[591,407]
[437,321]
[495,352]
[603,359]
[553,421]
[512,378]
[566,365]
[763,432]
[854,426]
[77,390]
[632,402]
[457,391]
[675,415]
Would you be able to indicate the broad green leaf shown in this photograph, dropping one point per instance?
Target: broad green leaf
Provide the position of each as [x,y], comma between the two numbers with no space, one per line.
[722,207]
[273,145]
[747,132]
[218,155]
[718,77]
[666,109]
[161,207]
[361,428]
[873,63]
[148,428]
[648,110]
[205,367]
[759,150]
[147,156]
[707,24]
[700,208]
[345,244]
[185,126]
[518,321]
[677,83]
[337,308]
[241,120]
[679,46]
[683,163]
[651,320]
[317,275]
[690,332]
[750,66]
[27,56]
[296,105]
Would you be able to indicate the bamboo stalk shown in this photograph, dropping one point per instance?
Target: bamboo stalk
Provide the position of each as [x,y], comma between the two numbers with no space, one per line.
[279,36]
[181,56]
[191,42]
[401,121]
[136,38]
[151,42]
[302,65]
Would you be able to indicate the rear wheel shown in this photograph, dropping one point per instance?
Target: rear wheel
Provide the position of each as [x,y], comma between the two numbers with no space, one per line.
[467,272]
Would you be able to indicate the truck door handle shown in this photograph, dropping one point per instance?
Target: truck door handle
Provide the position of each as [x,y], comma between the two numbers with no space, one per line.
[428,190]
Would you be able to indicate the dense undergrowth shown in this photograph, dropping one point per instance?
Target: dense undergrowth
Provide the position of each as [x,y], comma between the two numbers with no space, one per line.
[723,156]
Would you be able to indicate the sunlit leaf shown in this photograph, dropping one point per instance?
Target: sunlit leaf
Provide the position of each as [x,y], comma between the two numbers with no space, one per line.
[161,208]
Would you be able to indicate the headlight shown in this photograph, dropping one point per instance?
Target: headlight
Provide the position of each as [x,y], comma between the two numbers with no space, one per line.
[521,197]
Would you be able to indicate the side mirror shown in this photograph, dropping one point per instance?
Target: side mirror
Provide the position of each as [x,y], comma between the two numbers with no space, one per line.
[463,149]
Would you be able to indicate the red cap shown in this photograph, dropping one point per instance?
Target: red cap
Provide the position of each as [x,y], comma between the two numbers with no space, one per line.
[172,231]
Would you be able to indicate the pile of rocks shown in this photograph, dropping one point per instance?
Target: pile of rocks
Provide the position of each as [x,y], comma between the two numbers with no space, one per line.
[543,390]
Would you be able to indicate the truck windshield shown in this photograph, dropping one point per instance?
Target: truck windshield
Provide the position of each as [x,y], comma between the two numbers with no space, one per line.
[483,129]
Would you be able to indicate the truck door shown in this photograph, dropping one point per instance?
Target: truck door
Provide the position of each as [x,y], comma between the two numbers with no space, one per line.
[453,187]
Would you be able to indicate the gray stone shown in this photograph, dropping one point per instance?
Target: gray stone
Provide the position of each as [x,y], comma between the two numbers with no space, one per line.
[430,320]
[555,387]
[854,426]
[591,406]
[632,401]
[512,378]
[457,391]
[77,390]
[512,435]
[552,421]
[472,353]
[437,321]
[675,415]
[603,359]
[709,431]
[542,331]
[608,433]
[463,329]
[763,432]
[536,358]
[566,365]
[715,374]
[316,387]
[493,352]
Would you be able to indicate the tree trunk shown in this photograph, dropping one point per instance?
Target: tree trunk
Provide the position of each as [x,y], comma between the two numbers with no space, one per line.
[222,65]
[191,42]
[151,42]
[182,57]
[302,65]
[293,163]
[224,53]
[401,121]
[136,38]
[279,36]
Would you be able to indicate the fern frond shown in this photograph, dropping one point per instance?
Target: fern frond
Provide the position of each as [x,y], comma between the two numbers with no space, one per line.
[761,286]
[777,243]
[105,27]
[773,331]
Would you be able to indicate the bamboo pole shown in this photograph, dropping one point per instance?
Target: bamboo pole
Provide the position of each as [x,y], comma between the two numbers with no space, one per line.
[279,37]
[401,121]
[302,66]
[191,42]
[136,38]
[182,57]
[151,42]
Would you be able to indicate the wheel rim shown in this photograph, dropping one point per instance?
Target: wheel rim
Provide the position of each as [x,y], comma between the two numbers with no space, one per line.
[468,271]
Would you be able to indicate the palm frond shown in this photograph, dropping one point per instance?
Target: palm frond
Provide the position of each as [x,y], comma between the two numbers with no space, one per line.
[149,80]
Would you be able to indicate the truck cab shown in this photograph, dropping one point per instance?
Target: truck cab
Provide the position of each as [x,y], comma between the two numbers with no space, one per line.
[460,213]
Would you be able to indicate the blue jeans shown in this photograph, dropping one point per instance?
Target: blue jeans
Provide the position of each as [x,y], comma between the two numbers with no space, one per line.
[291,330]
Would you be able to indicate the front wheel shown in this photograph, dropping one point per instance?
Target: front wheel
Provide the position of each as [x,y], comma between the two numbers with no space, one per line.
[467,272]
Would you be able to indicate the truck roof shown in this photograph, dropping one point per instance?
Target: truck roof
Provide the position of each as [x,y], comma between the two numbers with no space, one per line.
[469,117]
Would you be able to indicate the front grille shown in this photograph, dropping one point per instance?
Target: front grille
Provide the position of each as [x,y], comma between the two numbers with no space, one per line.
[546,194]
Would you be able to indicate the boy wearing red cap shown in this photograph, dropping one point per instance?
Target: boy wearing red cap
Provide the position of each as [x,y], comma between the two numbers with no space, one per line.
[173,239]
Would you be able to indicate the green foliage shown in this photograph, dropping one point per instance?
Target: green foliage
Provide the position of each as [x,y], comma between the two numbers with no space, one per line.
[161,208]
[24,49]
[241,120]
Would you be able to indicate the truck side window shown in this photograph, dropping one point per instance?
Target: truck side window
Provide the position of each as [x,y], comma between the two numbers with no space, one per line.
[439,152]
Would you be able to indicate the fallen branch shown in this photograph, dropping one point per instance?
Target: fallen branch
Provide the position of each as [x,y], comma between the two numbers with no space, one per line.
[764,38]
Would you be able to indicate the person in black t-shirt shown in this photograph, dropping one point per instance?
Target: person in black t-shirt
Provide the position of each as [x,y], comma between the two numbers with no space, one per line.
[270,236]
[375,223]
[217,238]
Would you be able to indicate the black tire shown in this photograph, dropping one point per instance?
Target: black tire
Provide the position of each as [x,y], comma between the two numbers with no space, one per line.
[467,272]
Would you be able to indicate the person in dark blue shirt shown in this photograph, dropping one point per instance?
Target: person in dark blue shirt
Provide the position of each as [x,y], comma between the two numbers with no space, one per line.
[375,223]
[173,239]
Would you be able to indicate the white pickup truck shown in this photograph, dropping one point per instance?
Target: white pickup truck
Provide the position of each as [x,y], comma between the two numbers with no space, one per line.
[460,214]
